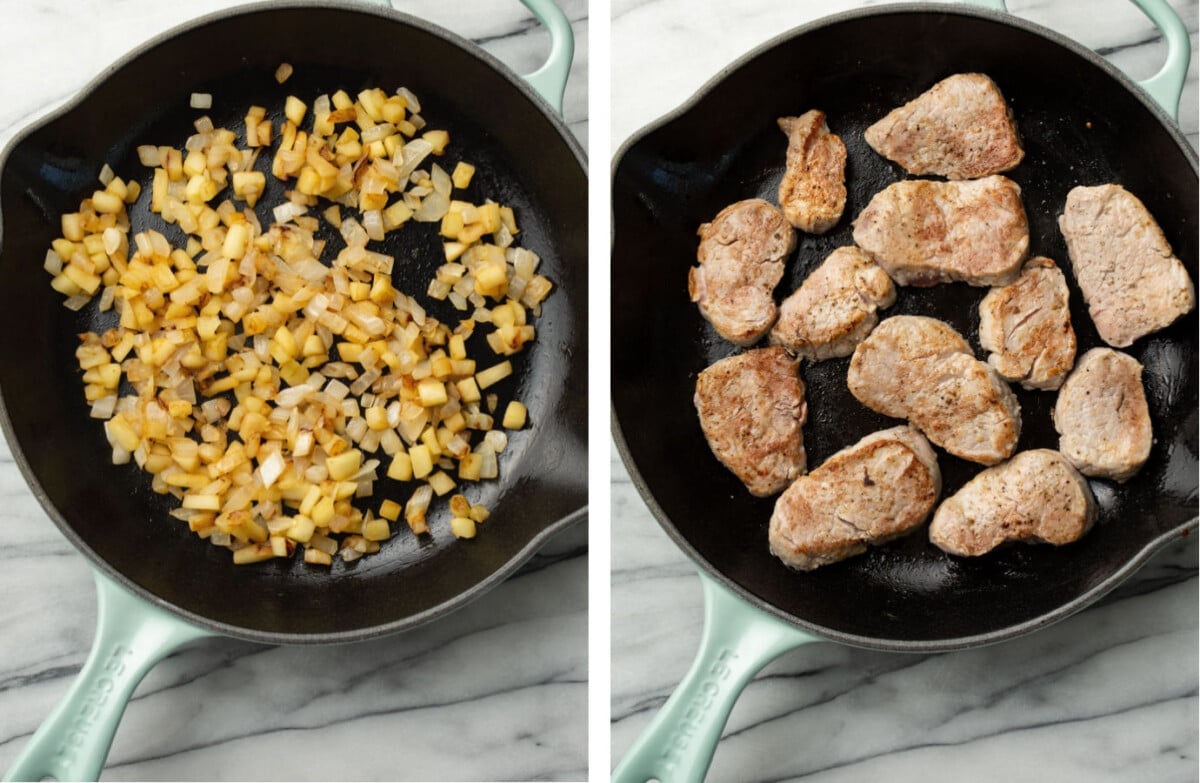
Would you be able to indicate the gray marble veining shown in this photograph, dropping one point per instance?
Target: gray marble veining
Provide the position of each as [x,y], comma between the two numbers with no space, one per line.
[496,691]
[1108,695]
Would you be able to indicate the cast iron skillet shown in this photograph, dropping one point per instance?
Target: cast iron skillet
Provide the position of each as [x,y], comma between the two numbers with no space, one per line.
[184,587]
[1082,122]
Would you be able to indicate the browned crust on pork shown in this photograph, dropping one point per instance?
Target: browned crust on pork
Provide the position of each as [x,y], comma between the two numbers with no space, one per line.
[921,369]
[871,492]
[924,232]
[1102,416]
[741,257]
[813,190]
[961,128]
[1027,327]
[1036,497]
[1130,279]
[751,407]
[836,307]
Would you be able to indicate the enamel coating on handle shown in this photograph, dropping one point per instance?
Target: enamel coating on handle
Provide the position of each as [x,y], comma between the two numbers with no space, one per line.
[1166,86]
[738,640]
[131,637]
[549,81]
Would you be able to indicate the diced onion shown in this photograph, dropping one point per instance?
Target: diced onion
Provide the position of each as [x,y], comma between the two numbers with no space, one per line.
[373,224]
[287,211]
[149,155]
[433,207]
[414,105]
[411,156]
[271,468]
[104,407]
[265,365]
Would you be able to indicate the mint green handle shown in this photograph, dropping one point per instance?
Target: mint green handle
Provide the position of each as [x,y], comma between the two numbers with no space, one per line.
[738,640]
[549,81]
[1166,86]
[131,636]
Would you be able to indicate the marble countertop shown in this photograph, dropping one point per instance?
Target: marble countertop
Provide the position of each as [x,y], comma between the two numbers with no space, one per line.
[428,704]
[1107,695]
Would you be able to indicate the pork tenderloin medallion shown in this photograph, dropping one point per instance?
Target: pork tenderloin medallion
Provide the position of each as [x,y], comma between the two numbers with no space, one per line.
[741,257]
[835,307]
[866,494]
[1131,281]
[918,368]
[751,407]
[1036,497]
[960,128]
[813,190]
[1027,327]
[924,232]
[1102,417]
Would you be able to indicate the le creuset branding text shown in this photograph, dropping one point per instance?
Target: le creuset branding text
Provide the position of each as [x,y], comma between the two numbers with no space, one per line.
[113,667]
[706,694]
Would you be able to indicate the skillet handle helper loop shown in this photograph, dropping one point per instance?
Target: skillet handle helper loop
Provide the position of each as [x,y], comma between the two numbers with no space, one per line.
[131,637]
[738,641]
[1166,86]
[549,81]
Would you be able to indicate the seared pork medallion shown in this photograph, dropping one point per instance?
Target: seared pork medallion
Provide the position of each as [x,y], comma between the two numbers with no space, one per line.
[1102,416]
[960,128]
[835,307]
[741,261]
[1027,327]
[924,232]
[751,408]
[1133,284]
[920,369]
[813,190]
[1035,497]
[874,491]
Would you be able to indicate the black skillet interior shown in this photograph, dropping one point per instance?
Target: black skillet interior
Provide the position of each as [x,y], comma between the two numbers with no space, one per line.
[523,158]
[1080,125]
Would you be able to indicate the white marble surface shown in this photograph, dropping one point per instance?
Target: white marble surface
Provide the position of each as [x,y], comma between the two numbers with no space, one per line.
[1108,695]
[497,691]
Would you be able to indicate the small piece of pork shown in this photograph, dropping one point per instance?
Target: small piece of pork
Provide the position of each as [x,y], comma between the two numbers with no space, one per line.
[874,491]
[1102,416]
[1133,284]
[751,408]
[741,257]
[924,232]
[835,307]
[918,368]
[813,190]
[1027,327]
[960,128]
[1036,497]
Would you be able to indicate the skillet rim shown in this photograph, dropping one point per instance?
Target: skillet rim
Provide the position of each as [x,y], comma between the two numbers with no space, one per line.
[99,564]
[1064,610]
